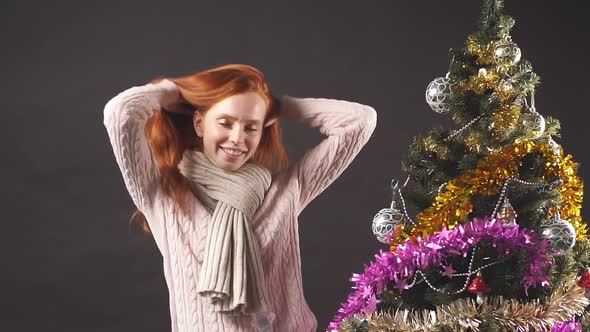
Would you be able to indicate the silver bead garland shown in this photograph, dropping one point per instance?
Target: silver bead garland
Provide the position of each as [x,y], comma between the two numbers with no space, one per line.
[459,131]
[527,183]
[468,274]
[470,270]
[404,205]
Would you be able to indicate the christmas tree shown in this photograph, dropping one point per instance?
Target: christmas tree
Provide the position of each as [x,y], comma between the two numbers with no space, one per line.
[498,243]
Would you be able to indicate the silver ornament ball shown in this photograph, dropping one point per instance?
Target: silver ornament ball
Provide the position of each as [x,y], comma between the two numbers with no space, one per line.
[507,53]
[560,233]
[535,122]
[385,222]
[438,94]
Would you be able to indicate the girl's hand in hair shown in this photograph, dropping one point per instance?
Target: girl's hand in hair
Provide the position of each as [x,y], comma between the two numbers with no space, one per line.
[172,101]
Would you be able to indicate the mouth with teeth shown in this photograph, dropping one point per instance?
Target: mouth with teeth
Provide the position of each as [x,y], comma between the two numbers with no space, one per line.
[232,153]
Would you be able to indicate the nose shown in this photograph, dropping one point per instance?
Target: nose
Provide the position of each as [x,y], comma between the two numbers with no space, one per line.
[236,136]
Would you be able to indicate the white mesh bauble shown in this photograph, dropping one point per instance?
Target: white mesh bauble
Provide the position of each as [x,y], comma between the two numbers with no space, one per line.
[536,122]
[438,94]
[507,53]
[560,233]
[385,222]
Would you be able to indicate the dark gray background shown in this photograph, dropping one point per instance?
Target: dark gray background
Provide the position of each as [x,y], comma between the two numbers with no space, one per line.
[68,262]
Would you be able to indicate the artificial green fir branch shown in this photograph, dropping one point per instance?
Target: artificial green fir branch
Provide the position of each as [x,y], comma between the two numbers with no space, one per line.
[491,10]
[493,24]
[581,252]
[417,196]
[552,126]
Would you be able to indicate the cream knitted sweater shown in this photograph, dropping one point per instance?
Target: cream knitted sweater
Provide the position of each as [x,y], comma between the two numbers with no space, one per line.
[181,240]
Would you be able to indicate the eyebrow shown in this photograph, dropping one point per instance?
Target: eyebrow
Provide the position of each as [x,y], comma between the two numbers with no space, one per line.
[235,119]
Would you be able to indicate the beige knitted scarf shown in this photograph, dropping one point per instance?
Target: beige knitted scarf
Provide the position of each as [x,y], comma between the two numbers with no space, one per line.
[231,274]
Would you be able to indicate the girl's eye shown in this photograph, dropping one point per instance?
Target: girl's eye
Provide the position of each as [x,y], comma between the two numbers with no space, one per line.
[225,124]
[250,129]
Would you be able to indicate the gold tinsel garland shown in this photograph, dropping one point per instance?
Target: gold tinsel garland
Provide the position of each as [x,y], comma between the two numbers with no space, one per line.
[484,54]
[429,144]
[466,315]
[504,120]
[473,142]
[453,205]
[484,80]
[504,92]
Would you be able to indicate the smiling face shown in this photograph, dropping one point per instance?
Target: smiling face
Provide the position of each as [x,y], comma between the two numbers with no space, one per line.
[231,129]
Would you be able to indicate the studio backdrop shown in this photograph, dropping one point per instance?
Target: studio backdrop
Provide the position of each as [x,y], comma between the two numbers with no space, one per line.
[69,261]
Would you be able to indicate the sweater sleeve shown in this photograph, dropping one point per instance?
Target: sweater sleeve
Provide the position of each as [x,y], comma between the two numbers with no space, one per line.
[125,117]
[347,125]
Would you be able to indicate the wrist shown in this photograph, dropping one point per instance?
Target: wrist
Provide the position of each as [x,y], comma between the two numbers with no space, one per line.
[168,94]
[288,108]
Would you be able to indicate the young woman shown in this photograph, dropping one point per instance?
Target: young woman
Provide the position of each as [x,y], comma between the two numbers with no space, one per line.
[202,160]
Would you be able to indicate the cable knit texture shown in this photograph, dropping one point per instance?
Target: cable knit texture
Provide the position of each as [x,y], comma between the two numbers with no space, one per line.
[181,239]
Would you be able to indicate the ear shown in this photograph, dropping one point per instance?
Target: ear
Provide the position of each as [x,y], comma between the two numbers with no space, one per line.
[270,121]
[198,123]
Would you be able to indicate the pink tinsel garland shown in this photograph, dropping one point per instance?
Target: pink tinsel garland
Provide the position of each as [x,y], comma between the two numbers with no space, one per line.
[410,257]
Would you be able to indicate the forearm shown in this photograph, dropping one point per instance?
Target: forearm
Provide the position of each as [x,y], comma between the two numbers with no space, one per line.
[150,96]
[125,116]
[347,125]
[330,116]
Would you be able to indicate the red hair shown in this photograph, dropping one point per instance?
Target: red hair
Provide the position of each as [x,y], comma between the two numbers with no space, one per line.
[170,134]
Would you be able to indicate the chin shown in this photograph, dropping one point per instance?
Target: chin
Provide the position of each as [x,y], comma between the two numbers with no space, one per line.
[229,165]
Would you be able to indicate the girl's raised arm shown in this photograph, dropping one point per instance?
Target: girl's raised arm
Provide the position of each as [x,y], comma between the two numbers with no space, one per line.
[347,125]
[125,117]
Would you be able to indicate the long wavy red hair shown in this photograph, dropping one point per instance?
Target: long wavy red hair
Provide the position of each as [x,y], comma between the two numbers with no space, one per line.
[169,134]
